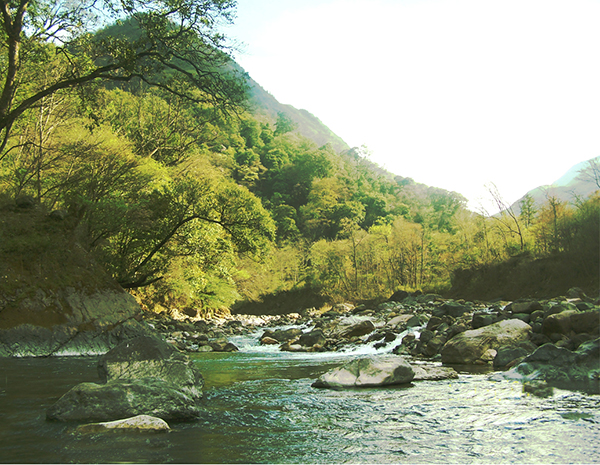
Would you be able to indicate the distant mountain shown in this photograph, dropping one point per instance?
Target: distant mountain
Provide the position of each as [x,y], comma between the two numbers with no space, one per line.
[579,181]
[266,108]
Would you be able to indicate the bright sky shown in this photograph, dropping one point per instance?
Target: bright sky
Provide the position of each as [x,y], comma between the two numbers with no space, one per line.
[452,93]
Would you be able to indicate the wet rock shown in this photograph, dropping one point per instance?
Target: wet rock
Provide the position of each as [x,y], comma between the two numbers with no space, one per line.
[478,346]
[139,423]
[223,346]
[367,372]
[120,398]
[433,373]
[359,329]
[312,338]
[562,368]
[509,355]
[266,340]
[404,321]
[538,388]
[150,357]
[283,335]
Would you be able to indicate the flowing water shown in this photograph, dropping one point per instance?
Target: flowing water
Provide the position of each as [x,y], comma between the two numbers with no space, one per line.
[259,407]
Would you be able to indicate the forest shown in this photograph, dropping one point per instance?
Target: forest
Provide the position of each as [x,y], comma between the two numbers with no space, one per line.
[142,137]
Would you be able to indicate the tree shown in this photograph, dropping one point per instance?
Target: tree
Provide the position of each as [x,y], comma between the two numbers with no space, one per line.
[172,44]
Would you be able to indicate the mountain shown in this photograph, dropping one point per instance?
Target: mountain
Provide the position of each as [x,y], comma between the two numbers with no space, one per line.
[266,107]
[581,180]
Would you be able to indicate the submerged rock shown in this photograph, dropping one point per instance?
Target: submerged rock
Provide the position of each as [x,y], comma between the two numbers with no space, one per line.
[479,346]
[368,372]
[139,423]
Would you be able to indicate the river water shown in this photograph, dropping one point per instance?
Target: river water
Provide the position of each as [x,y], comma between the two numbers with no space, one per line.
[260,408]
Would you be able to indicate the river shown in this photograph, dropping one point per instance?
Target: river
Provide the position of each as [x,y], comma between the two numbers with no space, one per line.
[260,408]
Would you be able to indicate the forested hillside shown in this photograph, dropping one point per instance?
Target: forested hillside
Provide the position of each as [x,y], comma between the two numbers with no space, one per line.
[166,165]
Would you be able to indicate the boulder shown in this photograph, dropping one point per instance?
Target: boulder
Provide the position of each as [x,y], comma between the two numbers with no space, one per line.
[312,338]
[572,321]
[454,309]
[367,372]
[479,346]
[562,368]
[140,423]
[528,307]
[508,355]
[359,329]
[121,398]
[266,340]
[283,335]
[150,357]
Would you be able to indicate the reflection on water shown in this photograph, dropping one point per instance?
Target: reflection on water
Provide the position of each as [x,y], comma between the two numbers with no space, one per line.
[260,408]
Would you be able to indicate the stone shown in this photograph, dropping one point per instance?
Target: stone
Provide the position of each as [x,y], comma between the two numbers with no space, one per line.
[150,357]
[368,372]
[435,344]
[475,346]
[359,329]
[454,309]
[406,320]
[572,321]
[508,355]
[139,423]
[563,368]
[283,335]
[312,338]
[120,398]
[266,340]
[433,373]
[528,307]
[481,319]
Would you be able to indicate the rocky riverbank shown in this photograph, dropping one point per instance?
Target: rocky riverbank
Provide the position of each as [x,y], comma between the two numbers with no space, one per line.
[500,334]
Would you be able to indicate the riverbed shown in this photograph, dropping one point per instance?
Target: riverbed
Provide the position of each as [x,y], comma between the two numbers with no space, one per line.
[259,407]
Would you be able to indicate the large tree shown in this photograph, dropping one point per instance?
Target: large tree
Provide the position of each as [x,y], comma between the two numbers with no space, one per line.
[173,44]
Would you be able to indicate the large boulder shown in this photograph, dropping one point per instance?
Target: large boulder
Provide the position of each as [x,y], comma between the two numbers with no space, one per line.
[562,368]
[572,321]
[123,398]
[150,357]
[367,372]
[480,346]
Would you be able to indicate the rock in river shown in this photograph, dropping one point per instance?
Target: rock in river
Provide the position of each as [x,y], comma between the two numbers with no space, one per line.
[139,423]
[150,357]
[479,346]
[368,372]
[144,376]
[124,398]
[565,369]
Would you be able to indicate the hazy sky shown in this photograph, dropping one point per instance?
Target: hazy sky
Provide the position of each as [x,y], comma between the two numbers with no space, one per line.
[453,93]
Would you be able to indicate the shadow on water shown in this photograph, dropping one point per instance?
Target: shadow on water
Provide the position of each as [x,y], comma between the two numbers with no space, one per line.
[261,408]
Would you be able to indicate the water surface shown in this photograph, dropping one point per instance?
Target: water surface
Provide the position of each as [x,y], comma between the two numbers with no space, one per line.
[259,407]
